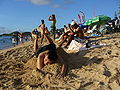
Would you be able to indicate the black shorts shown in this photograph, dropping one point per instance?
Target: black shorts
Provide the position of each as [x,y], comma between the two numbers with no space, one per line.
[49,47]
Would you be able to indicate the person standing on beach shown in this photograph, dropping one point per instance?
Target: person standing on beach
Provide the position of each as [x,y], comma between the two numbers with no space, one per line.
[48,55]
[17,39]
[14,40]
[21,37]
[42,28]
[53,25]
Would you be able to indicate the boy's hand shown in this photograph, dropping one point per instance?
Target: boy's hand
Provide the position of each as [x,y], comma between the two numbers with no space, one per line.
[62,75]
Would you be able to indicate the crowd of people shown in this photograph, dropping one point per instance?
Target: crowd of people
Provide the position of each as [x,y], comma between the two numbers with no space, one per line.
[18,38]
[48,54]
[115,23]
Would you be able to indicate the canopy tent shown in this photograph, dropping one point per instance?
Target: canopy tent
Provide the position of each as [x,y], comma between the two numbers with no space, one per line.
[98,20]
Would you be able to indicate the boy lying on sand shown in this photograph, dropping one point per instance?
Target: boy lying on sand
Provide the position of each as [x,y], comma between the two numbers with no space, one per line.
[48,55]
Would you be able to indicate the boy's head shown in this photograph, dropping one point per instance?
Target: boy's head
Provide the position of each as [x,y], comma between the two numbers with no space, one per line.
[42,21]
[50,57]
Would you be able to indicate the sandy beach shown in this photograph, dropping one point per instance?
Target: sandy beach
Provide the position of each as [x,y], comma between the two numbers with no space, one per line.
[93,69]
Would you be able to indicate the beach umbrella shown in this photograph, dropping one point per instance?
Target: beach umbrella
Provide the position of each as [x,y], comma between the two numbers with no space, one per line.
[88,22]
[98,20]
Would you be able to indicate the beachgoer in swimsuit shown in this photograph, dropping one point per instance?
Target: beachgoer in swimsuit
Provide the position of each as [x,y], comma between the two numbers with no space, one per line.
[68,36]
[42,28]
[74,31]
[14,39]
[53,25]
[21,37]
[65,34]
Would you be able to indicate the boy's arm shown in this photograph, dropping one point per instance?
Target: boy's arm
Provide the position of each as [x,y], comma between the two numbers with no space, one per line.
[40,60]
[35,42]
[64,66]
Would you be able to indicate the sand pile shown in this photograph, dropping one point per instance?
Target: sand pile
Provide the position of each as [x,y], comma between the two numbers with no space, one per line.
[97,68]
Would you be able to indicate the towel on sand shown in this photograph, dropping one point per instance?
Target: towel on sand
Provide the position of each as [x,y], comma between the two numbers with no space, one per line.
[74,45]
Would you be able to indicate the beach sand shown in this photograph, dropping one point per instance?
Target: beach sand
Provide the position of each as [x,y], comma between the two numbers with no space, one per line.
[94,69]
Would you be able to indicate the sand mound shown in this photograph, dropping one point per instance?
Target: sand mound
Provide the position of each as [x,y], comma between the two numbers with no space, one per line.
[97,68]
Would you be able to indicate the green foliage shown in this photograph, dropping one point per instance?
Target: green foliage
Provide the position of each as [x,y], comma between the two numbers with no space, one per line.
[26,33]
[6,34]
[16,32]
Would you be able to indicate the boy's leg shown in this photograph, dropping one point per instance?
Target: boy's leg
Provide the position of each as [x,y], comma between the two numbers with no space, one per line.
[35,44]
[42,37]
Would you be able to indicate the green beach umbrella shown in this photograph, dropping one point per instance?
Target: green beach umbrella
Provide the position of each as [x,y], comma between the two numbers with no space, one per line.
[88,22]
[98,20]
